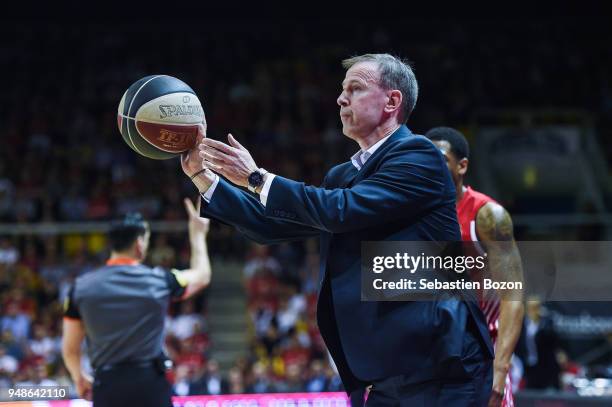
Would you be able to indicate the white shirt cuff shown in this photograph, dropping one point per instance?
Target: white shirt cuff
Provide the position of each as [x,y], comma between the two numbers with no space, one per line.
[211,190]
[265,190]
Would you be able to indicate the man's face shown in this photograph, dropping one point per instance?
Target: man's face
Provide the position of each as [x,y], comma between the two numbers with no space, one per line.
[362,100]
[457,167]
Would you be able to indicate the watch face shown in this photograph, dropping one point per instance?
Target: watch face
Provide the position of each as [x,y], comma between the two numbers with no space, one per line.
[255,179]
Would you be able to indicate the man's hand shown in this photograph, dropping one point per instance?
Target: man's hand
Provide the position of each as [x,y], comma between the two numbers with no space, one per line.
[496,399]
[190,161]
[234,162]
[83,387]
[197,224]
[198,275]
[193,164]
[500,372]
[499,384]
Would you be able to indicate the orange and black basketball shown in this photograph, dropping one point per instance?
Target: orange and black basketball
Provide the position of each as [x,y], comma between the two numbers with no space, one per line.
[158,116]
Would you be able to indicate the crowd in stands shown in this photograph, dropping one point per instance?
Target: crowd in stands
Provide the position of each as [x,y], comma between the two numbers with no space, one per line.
[63,159]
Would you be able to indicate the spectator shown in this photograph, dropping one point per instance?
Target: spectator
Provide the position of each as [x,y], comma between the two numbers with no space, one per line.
[260,379]
[542,345]
[235,381]
[260,259]
[317,382]
[8,253]
[262,317]
[182,380]
[162,254]
[188,322]
[287,316]
[212,383]
[293,381]
[40,376]
[44,344]
[8,363]
[16,322]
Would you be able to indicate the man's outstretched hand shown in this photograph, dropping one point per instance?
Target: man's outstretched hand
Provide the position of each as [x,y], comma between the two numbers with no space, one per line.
[232,161]
[190,160]
[193,165]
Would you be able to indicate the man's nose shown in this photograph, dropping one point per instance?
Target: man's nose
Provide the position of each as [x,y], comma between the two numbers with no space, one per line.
[342,100]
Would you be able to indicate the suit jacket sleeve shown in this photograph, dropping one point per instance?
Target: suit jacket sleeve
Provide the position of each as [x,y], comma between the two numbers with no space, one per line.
[409,181]
[235,207]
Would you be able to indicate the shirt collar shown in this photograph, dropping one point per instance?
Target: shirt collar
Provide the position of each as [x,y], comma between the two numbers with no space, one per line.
[360,157]
[122,261]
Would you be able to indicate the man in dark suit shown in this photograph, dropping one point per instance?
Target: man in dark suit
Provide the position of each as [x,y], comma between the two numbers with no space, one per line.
[397,187]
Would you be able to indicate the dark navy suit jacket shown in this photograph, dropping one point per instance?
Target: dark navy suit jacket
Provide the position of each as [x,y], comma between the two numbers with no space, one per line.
[403,192]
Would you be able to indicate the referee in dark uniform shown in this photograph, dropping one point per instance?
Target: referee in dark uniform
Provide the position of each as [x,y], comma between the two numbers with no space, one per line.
[120,308]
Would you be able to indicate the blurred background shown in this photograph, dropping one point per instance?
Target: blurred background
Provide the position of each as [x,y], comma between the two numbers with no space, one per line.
[533,96]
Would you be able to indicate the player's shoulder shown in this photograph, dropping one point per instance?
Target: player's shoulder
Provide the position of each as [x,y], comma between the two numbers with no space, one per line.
[493,209]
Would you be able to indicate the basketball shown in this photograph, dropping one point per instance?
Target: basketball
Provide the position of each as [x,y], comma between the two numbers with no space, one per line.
[158,116]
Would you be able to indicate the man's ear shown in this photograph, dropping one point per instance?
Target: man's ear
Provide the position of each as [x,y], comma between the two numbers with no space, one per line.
[394,101]
[139,246]
[463,166]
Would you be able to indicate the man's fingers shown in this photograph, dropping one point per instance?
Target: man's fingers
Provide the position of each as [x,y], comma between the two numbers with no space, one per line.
[213,156]
[201,135]
[235,142]
[191,211]
[219,153]
[185,157]
[198,205]
[201,131]
[219,146]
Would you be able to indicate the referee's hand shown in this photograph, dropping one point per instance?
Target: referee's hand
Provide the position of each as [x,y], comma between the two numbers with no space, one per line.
[197,224]
[83,387]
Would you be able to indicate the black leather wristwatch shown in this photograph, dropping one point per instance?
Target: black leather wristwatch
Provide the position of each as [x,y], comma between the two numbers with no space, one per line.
[256,179]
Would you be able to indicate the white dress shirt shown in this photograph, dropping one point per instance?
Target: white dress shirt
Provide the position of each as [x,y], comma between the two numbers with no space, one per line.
[358,159]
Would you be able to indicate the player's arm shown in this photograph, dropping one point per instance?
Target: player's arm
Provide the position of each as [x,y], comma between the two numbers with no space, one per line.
[197,276]
[494,228]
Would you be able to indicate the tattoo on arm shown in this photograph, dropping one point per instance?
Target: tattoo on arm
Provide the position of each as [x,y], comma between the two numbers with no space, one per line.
[493,223]
[495,231]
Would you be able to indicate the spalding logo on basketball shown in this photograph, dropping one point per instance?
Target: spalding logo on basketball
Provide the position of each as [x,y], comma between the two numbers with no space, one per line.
[158,116]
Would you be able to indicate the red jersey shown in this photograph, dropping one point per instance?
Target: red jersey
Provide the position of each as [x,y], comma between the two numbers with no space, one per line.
[467,210]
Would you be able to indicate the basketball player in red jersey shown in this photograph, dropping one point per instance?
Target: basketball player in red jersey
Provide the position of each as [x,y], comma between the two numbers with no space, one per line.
[486,222]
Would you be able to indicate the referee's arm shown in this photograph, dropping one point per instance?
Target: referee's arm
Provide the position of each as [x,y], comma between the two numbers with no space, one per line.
[73,335]
[198,275]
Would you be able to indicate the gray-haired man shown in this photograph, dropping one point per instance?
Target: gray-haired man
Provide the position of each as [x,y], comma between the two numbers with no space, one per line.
[396,187]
